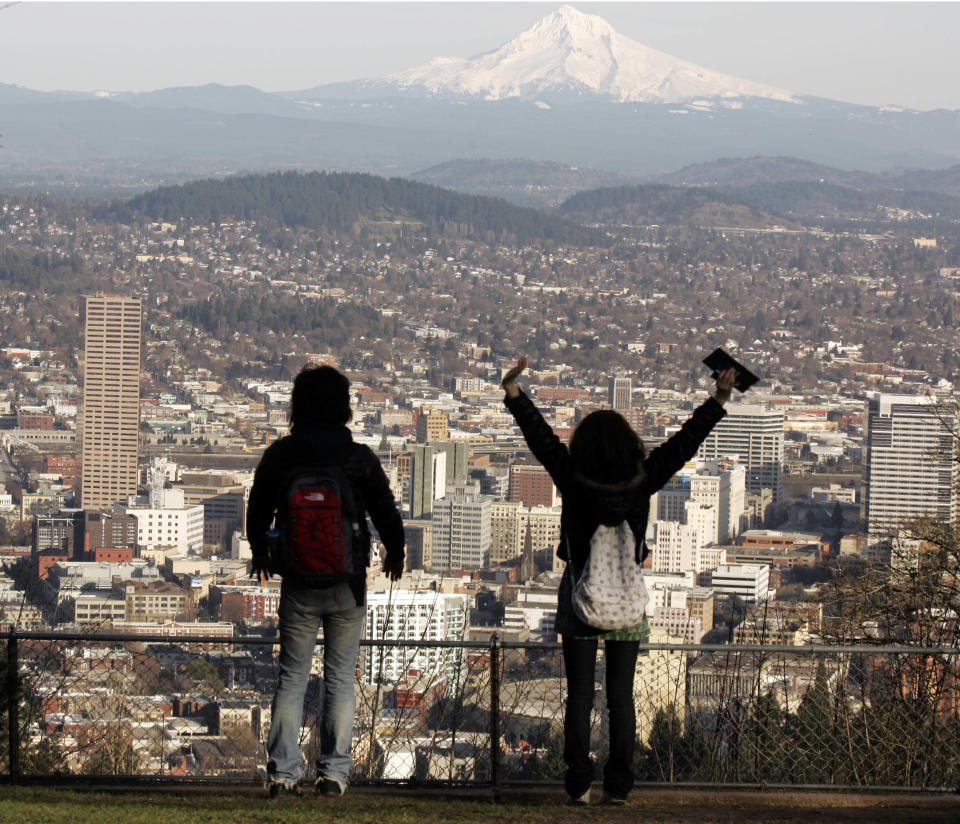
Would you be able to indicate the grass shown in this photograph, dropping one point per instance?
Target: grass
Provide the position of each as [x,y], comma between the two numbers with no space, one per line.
[38,805]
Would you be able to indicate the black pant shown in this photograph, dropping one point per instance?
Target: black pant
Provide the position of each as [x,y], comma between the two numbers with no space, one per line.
[580,657]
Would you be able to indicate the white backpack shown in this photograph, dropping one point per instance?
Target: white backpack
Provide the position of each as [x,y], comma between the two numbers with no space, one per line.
[610,592]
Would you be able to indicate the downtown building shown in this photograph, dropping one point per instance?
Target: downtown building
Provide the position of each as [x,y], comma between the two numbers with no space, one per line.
[754,434]
[683,546]
[110,407]
[512,524]
[717,483]
[531,485]
[415,615]
[911,470]
[619,393]
[461,529]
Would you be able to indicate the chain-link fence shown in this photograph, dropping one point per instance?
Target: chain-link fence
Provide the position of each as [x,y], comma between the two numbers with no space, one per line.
[485,713]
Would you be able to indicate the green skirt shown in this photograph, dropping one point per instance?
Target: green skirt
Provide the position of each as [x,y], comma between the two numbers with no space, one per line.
[570,626]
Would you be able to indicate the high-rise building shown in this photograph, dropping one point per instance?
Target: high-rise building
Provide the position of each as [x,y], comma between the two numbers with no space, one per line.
[427,480]
[619,393]
[110,412]
[753,433]
[532,485]
[461,528]
[910,466]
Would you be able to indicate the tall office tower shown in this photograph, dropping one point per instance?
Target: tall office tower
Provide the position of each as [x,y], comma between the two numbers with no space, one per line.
[754,433]
[461,529]
[428,480]
[110,414]
[532,485]
[619,393]
[910,466]
[431,426]
[720,483]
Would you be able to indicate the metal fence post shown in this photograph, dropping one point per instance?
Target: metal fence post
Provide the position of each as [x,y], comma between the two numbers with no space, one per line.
[13,706]
[495,716]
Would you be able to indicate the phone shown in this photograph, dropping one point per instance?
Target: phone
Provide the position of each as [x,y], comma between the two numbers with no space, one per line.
[718,361]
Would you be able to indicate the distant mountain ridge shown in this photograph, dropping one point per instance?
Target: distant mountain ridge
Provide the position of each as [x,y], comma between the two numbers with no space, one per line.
[747,171]
[570,91]
[570,52]
[783,203]
[524,182]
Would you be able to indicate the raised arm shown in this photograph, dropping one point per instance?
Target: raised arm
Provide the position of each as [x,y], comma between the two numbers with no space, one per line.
[664,461]
[544,444]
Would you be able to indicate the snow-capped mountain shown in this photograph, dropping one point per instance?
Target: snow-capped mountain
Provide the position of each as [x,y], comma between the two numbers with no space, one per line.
[572,52]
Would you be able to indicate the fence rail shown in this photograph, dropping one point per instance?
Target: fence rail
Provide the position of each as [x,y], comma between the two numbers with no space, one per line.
[486,713]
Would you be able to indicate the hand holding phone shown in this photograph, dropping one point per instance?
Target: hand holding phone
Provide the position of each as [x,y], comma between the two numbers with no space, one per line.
[719,361]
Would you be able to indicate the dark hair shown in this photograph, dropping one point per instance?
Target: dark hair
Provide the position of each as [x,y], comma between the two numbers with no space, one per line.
[605,448]
[320,397]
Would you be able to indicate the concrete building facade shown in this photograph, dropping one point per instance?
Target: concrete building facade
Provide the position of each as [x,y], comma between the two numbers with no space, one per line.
[110,407]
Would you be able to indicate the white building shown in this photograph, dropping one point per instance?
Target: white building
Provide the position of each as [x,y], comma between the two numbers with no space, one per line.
[675,547]
[172,526]
[751,582]
[461,528]
[911,469]
[414,615]
[754,433]
[535,611]
[720,483]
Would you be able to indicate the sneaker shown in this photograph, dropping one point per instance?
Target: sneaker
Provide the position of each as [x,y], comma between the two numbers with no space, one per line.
[281,788]
[608,800]
[329,786]
[579,800]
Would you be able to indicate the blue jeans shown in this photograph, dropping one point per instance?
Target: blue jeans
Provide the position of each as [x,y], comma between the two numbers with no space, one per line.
[302,612]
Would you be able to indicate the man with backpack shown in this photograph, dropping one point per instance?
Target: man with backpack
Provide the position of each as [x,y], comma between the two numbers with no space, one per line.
[315,488]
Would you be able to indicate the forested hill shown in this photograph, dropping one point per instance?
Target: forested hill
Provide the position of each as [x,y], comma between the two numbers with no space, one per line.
[344,202]
[647,204]
[757,204]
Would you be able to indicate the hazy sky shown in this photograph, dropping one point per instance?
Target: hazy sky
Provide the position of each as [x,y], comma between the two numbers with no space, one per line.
[906,54]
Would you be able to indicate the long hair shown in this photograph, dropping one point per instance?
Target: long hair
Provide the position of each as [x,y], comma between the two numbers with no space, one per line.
[604,448]
[320,397]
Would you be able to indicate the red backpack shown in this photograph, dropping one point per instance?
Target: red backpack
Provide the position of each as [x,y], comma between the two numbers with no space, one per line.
[319,529]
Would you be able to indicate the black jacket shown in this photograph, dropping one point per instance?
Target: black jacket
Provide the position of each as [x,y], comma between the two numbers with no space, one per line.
[371,490]
[587,503]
